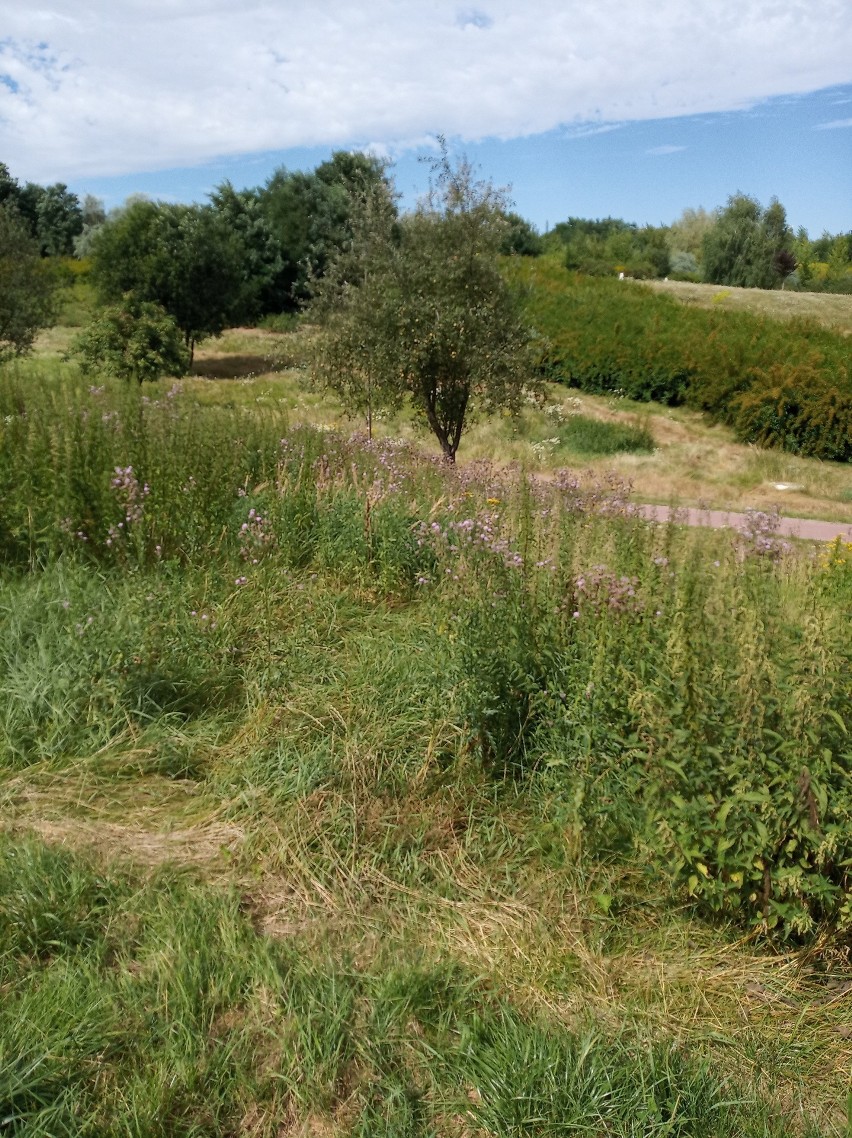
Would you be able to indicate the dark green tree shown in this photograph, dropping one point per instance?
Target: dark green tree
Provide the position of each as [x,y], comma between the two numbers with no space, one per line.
[186,258]
[51,214]
[742,247]
[521,238]
[415,308]
[59,220]
[9,188]
[263,261]
[27,286]
[309,215]
[355,171]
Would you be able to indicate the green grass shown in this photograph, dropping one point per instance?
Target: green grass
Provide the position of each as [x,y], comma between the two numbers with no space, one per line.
[154,1007]
[777,383]
[583,436]
[340,821]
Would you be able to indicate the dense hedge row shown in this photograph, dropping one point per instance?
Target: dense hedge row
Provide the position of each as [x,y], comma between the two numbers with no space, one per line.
[784,384]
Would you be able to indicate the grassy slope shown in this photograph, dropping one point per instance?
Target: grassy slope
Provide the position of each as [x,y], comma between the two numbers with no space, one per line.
[831,309]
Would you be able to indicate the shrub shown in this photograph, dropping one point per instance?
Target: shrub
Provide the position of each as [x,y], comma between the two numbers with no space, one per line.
[133,340]
[781,384]
[795,409]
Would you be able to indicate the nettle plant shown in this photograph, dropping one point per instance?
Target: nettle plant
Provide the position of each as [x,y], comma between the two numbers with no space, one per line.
[667,689]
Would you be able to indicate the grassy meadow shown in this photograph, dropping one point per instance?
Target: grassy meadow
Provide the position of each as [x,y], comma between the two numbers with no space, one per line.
[832,310]
[345,793]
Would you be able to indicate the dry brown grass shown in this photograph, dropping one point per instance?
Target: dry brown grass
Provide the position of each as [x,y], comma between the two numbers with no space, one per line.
[695,462]
[141,819]
[831,309]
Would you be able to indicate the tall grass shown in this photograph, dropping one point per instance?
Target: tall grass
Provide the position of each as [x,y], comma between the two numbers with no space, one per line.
[677,681]
[426,698]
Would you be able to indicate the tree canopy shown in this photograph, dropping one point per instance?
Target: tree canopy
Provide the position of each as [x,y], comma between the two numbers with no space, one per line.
[185,258]
[415,308]
[748,244]
[603,246]
[51,215]
[27,285]
[309,218]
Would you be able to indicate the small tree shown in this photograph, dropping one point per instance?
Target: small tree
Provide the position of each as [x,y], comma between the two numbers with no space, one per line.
[416,308]
[185,258]
[134,340]
[27,286]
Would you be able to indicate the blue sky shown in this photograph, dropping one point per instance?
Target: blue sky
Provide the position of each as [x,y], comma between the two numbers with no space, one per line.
[586,107]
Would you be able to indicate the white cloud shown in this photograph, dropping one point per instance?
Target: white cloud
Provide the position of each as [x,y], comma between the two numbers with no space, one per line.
[115,86]
[665,150]
[591,131]
[835,124]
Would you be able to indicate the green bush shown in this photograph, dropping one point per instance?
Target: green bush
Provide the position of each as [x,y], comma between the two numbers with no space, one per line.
[783,384]
[795,409]
[279,322]
[133,340]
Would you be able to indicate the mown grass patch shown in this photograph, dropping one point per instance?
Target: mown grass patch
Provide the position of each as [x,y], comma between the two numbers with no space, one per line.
[153,1006]
[832,310]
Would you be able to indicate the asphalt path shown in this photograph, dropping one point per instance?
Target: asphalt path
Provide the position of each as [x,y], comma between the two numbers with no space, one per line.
[805,528]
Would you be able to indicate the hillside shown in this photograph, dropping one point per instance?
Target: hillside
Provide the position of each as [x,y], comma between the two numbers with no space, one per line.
[832,310]
[780,384]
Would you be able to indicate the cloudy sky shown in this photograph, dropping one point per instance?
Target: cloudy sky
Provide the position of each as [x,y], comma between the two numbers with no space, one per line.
[632,107]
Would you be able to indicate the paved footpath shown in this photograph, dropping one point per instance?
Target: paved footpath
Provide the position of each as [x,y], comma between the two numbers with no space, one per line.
[721,519]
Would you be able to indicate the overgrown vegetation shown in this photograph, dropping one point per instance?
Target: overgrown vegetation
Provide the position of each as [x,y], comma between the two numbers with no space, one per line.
[417,694]
[344,791]
[782,384]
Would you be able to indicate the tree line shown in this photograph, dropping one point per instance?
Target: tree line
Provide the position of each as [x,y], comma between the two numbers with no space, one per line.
[413,306]
[741,244]
[250,252]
